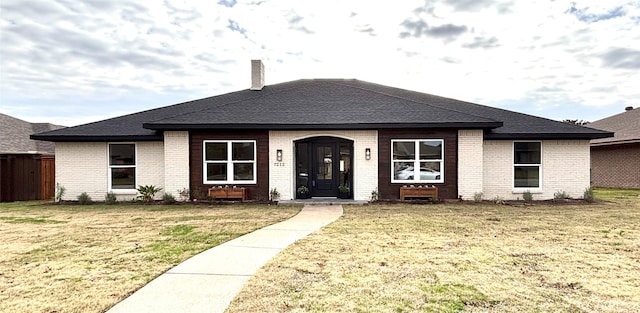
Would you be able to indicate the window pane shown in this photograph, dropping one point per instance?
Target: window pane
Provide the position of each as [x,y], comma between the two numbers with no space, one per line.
[526,153]
[527,176]
[217,171]
[123,178]
[122,154]
[430,171]
[242,151]
[243,171]
[216,151]
[430,150]
[404,150]
[403,171]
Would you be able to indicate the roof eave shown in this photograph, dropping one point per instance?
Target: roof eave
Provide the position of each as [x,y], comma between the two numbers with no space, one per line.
[96,138]
[547,136]
[615,142]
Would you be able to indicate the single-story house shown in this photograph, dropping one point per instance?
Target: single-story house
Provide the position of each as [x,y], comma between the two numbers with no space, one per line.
[615,161]
[323,134]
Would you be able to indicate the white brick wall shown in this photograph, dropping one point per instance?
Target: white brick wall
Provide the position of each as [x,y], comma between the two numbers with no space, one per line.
[150,165]
[470,164]
[83,167]
[282,175]
[565,166]
[176,161]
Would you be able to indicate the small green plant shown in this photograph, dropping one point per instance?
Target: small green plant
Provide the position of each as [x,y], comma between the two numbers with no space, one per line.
[560,195]
[60,190]
[184,194]
[477,196]
[588,195]
[303,189]
[527,196]
[147,192]
[274,194]
[498,200]
[375,195]
[168,198]
[84,198]
[210,198]
[343,189]
[110,198]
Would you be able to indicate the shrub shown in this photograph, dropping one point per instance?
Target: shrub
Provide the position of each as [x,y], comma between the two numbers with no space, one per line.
[527,196]
[498,200]
[274,194]
[84,198]
[560,195]
[60,190]
[184,194]
[375,195]
[168,198]
[147,192]
[477,196]
[110,198]
[588,195]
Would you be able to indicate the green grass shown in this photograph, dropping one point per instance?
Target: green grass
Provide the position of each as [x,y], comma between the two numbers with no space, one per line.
[612,194]
[29,220]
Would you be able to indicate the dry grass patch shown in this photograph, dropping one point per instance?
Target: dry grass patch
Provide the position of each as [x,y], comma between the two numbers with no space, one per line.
[87,258]
[459,257]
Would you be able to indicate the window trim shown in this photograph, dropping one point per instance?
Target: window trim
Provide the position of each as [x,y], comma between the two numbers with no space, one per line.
[134,166]
[417,161]
[513,168]
[230,163]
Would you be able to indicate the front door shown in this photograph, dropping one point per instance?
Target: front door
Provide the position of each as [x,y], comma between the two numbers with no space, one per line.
[323,170]
[324,164]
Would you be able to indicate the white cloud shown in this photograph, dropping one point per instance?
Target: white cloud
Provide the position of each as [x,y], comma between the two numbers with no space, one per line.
[76,59]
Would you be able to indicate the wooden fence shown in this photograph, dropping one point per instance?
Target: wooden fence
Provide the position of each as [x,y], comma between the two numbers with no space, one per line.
[26,177]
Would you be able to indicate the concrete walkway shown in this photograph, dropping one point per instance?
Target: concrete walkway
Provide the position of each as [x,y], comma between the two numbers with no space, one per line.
[208,282]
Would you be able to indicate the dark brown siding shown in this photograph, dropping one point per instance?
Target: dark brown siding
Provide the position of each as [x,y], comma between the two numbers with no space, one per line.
[446,190]
[616,166]
[259,191]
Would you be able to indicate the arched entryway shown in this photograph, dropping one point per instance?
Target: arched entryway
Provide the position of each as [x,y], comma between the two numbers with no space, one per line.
[324,166]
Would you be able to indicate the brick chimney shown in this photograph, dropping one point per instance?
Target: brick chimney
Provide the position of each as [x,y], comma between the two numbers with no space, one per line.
[257,75]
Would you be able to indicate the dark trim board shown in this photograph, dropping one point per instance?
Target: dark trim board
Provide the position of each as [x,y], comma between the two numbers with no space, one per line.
[446,190]
[258,191]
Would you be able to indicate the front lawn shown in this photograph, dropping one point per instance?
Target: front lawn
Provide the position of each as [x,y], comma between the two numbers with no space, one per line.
[74,258]
[461,258]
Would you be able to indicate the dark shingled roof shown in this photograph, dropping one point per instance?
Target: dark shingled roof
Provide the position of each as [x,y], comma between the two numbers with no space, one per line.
[323,104]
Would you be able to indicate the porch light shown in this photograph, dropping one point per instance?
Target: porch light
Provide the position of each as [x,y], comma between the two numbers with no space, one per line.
[367,153]
[279,155]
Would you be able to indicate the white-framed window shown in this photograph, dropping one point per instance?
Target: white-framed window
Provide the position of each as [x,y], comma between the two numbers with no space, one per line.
[417,161]
[527,165]
[229,161]
[122,166]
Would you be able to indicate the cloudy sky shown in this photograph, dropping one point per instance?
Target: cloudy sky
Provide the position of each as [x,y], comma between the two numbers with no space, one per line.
[70,61]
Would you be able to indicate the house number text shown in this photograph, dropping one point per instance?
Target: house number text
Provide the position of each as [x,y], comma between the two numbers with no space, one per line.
[278,164]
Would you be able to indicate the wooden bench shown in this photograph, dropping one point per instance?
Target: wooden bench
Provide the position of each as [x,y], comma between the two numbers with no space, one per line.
[418,192]
[228,193]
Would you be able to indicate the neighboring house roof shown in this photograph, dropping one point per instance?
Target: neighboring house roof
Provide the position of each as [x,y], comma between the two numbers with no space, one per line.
[323,104]
[14,136]
[625,125]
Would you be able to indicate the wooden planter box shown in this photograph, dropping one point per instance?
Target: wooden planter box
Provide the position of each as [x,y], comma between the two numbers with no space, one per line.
[228,193]
[418,192]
